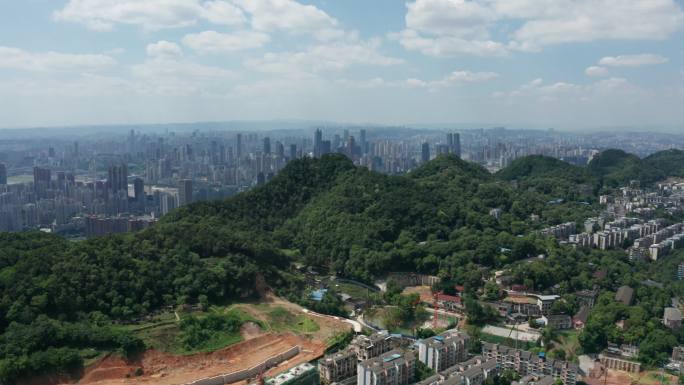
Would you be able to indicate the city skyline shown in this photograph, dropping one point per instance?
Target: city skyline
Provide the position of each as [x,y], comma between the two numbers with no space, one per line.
[566,65]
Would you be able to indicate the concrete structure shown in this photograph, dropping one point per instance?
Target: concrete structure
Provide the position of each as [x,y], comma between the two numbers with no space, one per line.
[616,362]
[443,351]
[392,368]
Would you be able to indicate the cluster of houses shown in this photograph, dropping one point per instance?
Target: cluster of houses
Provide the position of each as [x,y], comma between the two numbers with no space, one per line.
[380,360]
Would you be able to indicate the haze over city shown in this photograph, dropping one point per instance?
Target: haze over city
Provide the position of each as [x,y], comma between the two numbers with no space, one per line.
[565,64]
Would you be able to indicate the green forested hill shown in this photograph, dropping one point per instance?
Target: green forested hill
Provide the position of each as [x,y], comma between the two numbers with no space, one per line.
[616,168]
[670,162]
[538,166]
[438,219]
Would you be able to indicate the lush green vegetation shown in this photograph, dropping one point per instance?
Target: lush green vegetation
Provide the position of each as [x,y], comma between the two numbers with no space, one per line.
[212,331]
[60,298]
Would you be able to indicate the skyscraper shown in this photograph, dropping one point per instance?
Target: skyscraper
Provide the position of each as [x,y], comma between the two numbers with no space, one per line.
[267,146]
[139,189]
[425,152]
[238,147]
[457,144]
[184,192]
[280,150]
[3,174]
[293,151]
[318,141]
[454,143]
[363,144]
[41,181]
[117,178]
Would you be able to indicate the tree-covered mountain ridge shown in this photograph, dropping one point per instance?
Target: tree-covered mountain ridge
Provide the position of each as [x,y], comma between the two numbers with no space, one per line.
[448,217]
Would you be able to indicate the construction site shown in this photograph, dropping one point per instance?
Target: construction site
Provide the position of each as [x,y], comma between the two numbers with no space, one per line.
[261,354]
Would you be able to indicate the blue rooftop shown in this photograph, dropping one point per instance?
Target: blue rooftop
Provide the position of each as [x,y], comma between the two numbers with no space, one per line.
[317,295]
[392,357]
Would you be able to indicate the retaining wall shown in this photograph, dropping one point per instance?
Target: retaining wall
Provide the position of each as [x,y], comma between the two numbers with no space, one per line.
[252,372]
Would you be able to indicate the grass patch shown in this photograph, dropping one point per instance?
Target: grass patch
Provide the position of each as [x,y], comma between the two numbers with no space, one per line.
[568,341]
[280,319]
[355,291]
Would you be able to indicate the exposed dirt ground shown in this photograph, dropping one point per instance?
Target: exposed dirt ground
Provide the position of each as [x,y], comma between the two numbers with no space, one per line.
[425,292]
[160,368]
[614,377]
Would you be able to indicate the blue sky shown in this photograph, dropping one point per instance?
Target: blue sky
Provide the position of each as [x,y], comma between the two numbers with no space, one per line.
[569,64]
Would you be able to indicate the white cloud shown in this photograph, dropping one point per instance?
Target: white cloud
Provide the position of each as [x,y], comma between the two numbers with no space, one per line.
[15,58]
[596,71]
[567,21]
[336,56]
[215,42]
[291,16]
[448,45]
[164,48]
[632,60]
[103,15]
[455,78]
[456,27]
[166,72]
[538,90]
[461,18]
[222,12]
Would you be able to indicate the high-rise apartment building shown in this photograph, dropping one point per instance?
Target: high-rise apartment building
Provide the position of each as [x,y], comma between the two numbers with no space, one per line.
[293,151]
[3,174]
[392,368]
[238,147]
[267,146]
[117,178]
[425,152]
[41,181]
[444,350]
[318,143]
[184,192]
[139,189]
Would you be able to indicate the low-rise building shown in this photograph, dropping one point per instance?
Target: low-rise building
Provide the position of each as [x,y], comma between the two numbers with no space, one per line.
[672,318]
[625,294]
[558,321]
[303,374]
